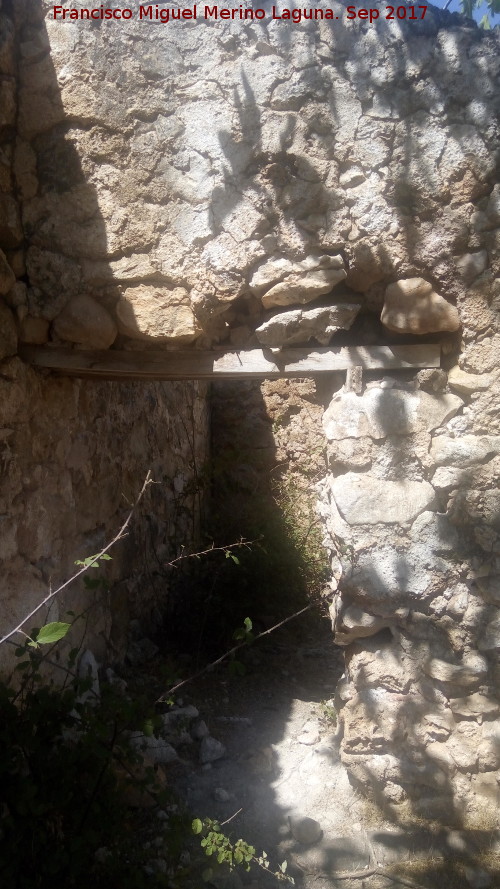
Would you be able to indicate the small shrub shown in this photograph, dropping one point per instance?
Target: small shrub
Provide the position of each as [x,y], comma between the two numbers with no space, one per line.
[62,797]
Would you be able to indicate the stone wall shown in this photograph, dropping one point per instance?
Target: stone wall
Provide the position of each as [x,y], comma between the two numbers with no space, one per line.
[74,454]
[235,183]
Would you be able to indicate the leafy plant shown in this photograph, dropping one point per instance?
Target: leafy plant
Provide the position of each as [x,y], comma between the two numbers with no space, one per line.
[233,853]
[65,771]
[467,7]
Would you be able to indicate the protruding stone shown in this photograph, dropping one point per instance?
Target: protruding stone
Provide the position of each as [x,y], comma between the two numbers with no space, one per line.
[412,306]
[466,675]
[86,322]
[355,623]
[282,282]
[466,383]
[382,412]
[299,326]
[156,313]
[464,451]
[365,500]
[475,706]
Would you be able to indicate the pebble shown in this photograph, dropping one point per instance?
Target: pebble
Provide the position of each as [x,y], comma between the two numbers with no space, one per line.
[308,739]
[305,830]
[211,750]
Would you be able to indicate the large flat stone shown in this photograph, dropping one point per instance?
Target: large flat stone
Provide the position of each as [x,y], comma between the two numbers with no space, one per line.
[464,451]
[382,412]
[364,500]
[283,282]
[464,676]
[299,326]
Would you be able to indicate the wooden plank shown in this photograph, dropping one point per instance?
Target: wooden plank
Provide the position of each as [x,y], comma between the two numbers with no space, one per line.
[254,363]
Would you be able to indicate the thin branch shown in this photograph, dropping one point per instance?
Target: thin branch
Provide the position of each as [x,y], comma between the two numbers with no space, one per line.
[85,568]
[231,818]
[212,549]
[232,651]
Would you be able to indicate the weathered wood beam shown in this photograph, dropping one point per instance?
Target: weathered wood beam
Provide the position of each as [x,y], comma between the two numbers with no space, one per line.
[197,365]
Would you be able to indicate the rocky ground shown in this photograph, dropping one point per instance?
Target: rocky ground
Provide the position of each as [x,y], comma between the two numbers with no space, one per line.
[259,753]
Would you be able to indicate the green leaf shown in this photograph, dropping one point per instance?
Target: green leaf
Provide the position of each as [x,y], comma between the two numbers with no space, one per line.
[197,826]
[51,633]
[248,624]
[148,729]
[485,22]
[235,559]
[105,558]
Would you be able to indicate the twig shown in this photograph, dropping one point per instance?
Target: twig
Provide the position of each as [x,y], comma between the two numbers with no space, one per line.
[358,874]
[85,568]
[403,881]
[212,549]
[231,818]
[232,651]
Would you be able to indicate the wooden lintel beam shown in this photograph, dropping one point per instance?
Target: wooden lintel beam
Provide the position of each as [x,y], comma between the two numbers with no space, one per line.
[254,363]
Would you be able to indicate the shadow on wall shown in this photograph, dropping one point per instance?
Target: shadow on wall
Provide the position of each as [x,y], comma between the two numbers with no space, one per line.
[76,452]
[262,472]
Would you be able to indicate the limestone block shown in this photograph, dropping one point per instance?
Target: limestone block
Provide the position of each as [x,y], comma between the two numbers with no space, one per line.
[462,676]
[382,666]
[381,412]
[7,277]
[364,500]
[8,332]
[474,706]
[471,265]
[440,753]
[466,383]
[301,289]
[355,623]
[465,450]
[135,268]
[412,306]
[86,322]
[435,532]
[299,326]
[150,312]
[282,282]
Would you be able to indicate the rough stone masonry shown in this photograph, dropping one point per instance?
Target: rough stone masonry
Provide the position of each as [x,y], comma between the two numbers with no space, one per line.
[228,183]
